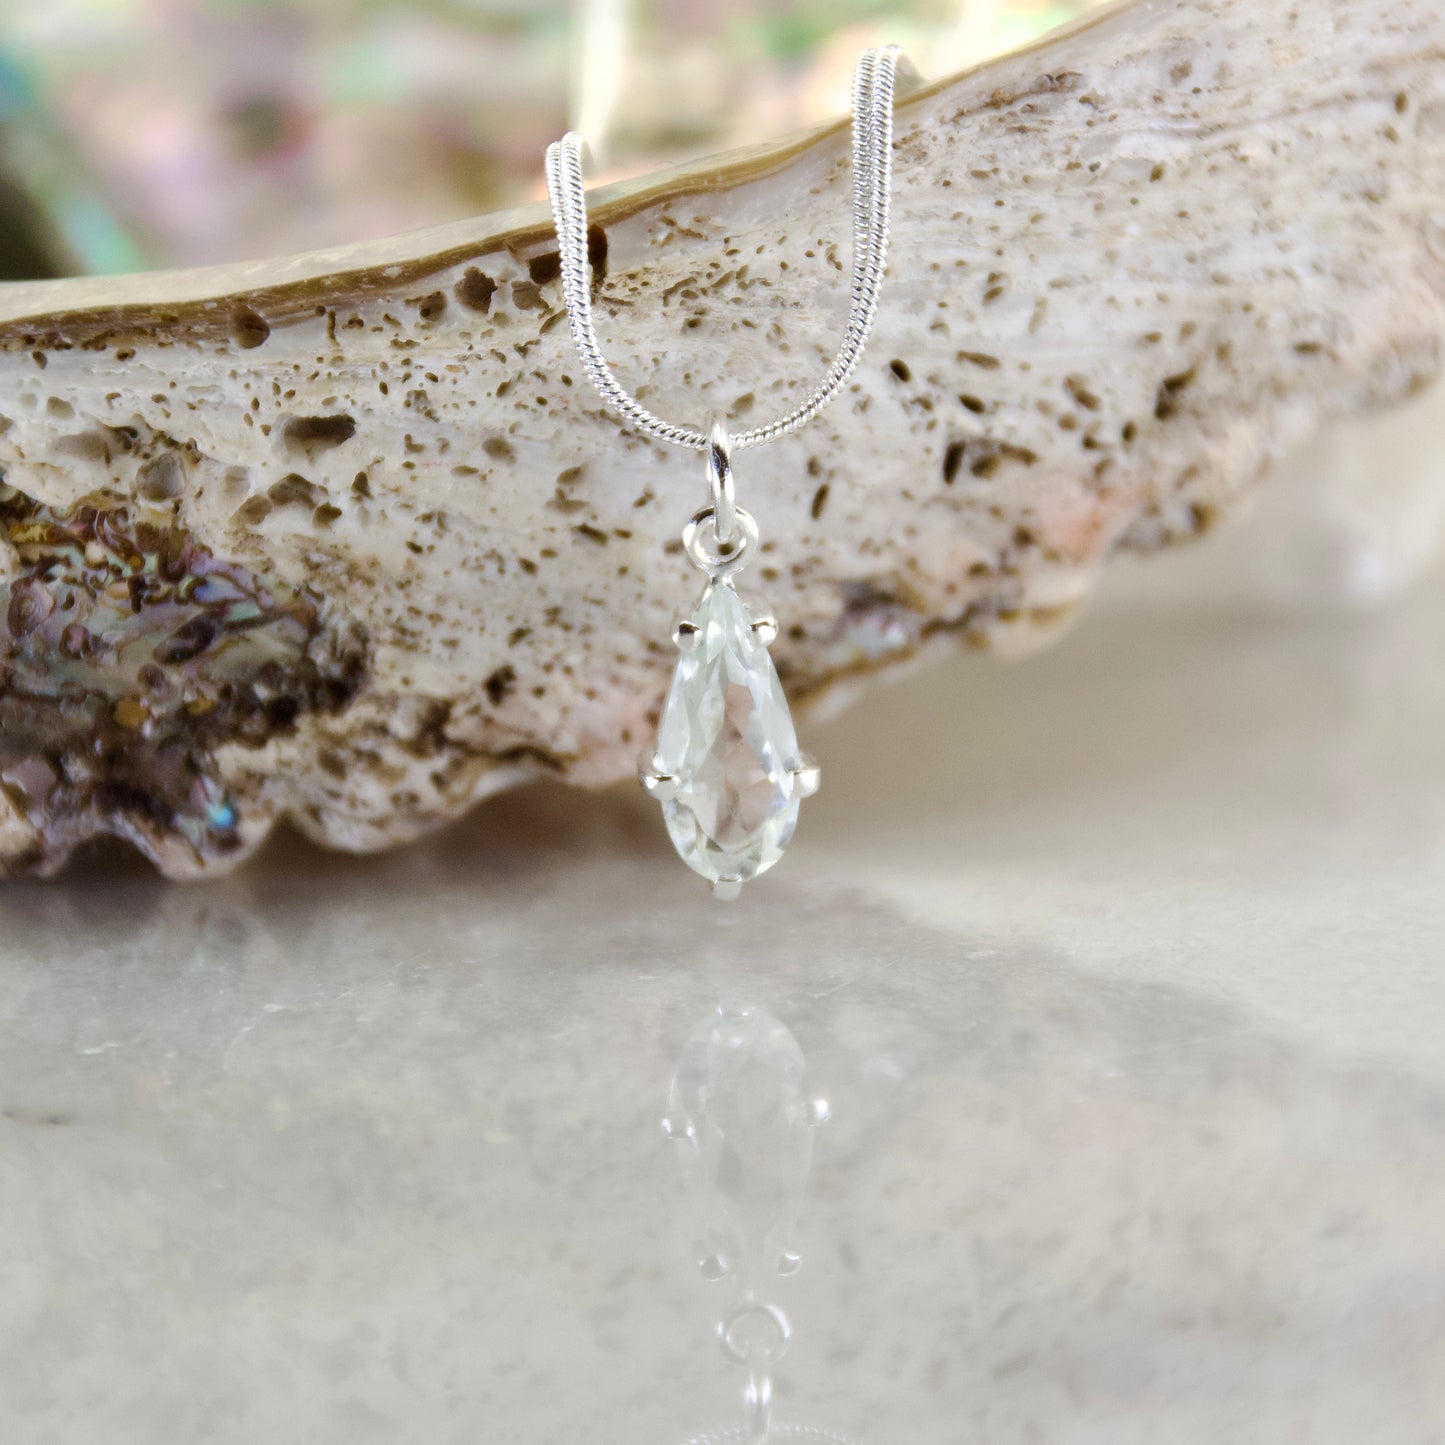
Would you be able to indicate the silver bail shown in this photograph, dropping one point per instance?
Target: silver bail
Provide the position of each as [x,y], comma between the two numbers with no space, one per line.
[720,485]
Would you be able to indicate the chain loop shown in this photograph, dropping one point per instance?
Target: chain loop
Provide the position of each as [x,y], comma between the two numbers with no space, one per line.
[873,84]
[708,553]
[755,1334]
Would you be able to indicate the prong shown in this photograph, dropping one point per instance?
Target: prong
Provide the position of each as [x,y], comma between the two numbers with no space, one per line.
[680,1131]
[711,1265]
[806,776]
[685,635]
[765,629]
[726,889]
[657,784]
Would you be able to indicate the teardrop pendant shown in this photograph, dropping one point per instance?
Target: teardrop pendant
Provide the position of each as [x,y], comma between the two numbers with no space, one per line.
[727,768]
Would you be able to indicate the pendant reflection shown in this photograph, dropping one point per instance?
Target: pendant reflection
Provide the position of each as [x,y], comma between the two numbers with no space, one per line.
[742,1121]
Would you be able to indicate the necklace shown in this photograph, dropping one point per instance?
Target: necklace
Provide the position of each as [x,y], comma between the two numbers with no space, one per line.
[726,766]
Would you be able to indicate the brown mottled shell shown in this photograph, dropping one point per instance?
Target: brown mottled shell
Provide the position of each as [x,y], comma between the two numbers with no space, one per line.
[347,536]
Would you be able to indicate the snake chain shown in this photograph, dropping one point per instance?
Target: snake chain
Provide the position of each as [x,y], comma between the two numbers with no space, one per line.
[873,86]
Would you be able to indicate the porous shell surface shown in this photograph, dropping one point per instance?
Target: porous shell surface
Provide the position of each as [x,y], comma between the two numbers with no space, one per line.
[1131,266]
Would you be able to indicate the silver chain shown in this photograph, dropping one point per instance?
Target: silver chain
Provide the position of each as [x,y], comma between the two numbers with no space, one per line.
[872,183]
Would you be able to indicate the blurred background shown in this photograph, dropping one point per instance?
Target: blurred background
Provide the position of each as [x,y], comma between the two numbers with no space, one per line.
[137,134]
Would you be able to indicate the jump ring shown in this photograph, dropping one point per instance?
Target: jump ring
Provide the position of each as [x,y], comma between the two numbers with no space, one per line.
[720,483]
[754,1314]
[708,554]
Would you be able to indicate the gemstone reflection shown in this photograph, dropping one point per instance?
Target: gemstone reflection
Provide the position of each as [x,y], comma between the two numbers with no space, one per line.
[744,1130]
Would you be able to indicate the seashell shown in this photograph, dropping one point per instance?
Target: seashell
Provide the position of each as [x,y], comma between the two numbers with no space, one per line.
[1132,267]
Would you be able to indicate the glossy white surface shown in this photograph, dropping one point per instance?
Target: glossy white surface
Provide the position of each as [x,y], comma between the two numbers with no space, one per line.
[1121,970]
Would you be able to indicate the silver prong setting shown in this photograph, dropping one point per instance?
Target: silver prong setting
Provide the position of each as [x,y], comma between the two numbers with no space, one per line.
[806,776]
[658,785]
[725,890]
[679,1131]
[765,629]
[685,634]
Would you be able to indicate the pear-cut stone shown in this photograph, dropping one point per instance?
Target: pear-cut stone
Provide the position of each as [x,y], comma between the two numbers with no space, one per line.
[726,737]
[744,1132]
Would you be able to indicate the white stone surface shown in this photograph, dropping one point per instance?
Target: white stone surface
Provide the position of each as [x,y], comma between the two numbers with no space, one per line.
[1120,968]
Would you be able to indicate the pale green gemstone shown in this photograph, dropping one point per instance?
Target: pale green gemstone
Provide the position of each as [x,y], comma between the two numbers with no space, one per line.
[726,736]
[744,1131]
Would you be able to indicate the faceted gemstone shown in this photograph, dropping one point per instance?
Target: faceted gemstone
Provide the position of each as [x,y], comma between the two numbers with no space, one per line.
[726,737]
[744,1132]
